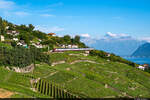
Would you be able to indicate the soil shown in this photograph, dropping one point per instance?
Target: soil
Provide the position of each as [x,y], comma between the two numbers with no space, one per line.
[5,93]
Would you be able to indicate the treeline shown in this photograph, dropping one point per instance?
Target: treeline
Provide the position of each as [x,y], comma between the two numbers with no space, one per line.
[111,57]
[65,40]
[21,57]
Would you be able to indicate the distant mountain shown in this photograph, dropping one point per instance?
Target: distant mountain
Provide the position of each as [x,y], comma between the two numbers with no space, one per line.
[119,44]
[143,50]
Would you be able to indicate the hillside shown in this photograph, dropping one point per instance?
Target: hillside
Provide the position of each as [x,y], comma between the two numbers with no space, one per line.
[30,69]
[143,51]
[80,75]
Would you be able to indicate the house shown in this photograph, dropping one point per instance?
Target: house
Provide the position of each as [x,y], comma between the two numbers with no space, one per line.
[2,38]
[108,54]
[51,34]
[22,44]
[19,43]
[144,66]
[141,67]
[11,32]
[68,46]
[7,27]
[74,46]
[38,45]
[15,39]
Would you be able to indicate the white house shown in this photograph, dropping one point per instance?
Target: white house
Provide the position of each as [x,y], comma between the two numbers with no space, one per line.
[68,46]
[108,55]
[2,38]
[15,39]
[37,45]
[15,33]
[7,27]
[74,46]
[141,67]
[19,43]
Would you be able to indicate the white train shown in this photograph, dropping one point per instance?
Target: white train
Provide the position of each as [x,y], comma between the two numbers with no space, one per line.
[71,49]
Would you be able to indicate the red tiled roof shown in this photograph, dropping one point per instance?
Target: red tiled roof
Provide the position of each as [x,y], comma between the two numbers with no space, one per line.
[51,34]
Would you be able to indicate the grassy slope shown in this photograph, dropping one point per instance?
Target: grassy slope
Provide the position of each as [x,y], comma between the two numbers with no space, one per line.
[100,79]
[16,82]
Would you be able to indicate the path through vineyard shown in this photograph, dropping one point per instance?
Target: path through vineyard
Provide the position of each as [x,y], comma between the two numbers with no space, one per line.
[5,93]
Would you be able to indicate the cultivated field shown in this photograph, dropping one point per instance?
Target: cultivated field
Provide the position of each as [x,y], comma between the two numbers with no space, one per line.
[79,76]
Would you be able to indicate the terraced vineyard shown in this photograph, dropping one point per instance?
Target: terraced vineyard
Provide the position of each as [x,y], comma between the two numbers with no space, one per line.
[79,76]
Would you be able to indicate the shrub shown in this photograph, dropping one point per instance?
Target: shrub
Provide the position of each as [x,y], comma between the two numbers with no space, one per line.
[21,57]
[112,57]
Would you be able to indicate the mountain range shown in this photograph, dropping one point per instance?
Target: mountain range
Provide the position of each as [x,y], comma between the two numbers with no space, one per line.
[143,50]
[119,44]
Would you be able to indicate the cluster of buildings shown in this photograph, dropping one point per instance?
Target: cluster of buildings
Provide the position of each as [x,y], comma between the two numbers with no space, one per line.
[37,45]
[68,46]
[10,32]
[144,66]
[20,42]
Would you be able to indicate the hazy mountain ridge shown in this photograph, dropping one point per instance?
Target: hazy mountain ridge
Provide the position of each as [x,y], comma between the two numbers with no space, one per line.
[143,50]
[119,44]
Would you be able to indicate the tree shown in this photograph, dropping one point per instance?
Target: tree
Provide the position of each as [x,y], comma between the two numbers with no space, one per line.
[31,27]
[77,39]
[1,25]
[67,39]
[14,44]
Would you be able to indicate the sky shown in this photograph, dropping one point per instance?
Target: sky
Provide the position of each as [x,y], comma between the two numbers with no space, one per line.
[89,18]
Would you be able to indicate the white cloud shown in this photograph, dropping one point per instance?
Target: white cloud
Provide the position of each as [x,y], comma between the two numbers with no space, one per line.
[22,14]
[5,4]
[111,34]
[145,39]
[85,35]
[47,15]
[120,36]
[48,29]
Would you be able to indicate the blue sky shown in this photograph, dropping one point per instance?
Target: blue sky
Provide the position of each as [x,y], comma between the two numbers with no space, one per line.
[92,18]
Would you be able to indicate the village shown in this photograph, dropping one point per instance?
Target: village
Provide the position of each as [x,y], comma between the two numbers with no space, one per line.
[60,48]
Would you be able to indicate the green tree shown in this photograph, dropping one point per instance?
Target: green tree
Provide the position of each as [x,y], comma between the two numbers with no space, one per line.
[67,39]
[13,44]
[77,39]
[31,27]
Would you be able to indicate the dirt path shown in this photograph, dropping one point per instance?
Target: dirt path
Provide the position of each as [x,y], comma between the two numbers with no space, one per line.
[50,74]
[77,61]
[56,63]
[5,93]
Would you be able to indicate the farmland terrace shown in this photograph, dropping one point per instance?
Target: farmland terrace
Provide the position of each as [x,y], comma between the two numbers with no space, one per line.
[78,76]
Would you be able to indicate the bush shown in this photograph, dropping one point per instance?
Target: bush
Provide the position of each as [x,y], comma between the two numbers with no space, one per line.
[112,57]
[21,57]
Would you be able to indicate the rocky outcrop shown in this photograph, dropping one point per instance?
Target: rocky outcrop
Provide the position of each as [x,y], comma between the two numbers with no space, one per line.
[24,70]
[56,63]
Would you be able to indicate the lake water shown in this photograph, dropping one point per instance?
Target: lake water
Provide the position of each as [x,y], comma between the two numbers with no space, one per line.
[138,60]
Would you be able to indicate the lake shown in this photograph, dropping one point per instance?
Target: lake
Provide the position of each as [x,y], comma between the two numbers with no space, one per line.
[138,60]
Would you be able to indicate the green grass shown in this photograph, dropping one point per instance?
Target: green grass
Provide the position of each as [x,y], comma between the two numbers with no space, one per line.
[94,80]
[16,82]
